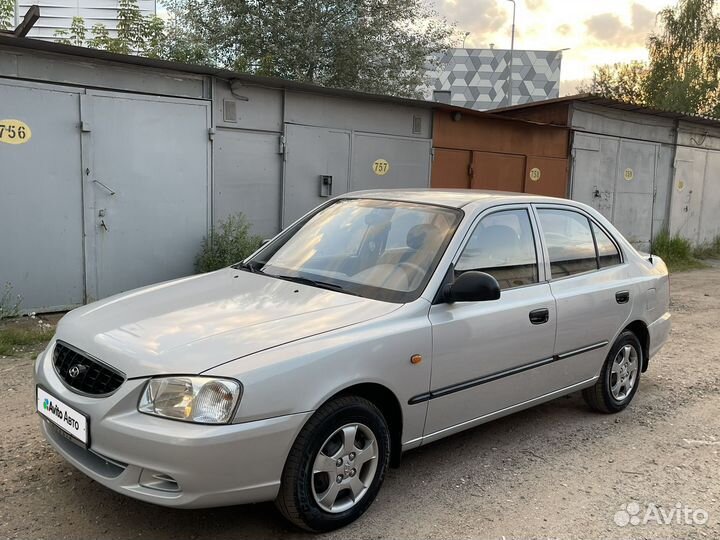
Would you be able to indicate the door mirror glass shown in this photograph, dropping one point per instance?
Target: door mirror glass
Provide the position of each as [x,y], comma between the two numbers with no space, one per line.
[472,287]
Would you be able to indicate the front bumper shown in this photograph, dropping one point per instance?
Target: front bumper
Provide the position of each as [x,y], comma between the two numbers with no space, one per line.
[168,462]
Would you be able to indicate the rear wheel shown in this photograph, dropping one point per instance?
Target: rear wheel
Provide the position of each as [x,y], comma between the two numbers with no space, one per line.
[620,376]
[336,466]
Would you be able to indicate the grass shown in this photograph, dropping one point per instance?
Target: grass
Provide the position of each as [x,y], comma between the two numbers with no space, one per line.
[680,255]
[20,338]
[711,250]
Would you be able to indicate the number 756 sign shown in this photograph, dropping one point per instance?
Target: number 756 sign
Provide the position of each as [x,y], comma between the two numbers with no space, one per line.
[14,132]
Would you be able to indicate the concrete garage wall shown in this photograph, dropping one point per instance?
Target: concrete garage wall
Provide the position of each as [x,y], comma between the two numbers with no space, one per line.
[362,116]
[695,192]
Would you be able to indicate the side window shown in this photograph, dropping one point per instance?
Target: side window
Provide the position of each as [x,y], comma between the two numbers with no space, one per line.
[569,242]
[608,254]
[503,246]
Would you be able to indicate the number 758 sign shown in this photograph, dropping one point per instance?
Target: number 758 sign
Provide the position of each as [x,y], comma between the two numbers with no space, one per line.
[14,132]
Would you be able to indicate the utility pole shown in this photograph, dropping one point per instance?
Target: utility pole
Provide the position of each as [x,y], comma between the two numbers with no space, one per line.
[512,53]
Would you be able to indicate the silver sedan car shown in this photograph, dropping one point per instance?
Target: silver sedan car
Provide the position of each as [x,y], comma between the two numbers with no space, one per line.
[377,323]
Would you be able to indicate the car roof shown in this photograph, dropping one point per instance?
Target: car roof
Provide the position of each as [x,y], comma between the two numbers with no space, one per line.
[455,198]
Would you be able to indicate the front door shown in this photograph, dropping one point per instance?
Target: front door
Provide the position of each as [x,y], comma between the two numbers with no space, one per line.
[488,356]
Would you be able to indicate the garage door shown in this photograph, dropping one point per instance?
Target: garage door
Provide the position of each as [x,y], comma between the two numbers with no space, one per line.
[384,162]
[313,154]
[147,207]
[41,247]
[617,177]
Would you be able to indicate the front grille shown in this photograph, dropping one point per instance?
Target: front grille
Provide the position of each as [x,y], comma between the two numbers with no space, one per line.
[84,374]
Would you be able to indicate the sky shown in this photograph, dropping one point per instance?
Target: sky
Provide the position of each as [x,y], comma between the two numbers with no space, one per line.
[596,32]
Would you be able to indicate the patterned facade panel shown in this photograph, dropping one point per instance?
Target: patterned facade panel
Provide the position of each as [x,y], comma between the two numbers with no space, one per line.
[480,78]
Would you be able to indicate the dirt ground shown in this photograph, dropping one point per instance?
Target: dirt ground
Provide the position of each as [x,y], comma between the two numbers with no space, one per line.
[557,471]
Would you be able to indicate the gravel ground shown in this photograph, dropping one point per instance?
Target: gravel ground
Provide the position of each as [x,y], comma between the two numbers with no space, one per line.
[558,470]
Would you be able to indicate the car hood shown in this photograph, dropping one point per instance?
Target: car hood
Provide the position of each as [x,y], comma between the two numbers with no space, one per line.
[193,324]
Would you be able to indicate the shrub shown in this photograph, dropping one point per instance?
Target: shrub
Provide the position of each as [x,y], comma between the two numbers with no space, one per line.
[229,243]
[676,251]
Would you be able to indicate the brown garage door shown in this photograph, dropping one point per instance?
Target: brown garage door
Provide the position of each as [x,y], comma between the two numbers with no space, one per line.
[501,172]
[450,169]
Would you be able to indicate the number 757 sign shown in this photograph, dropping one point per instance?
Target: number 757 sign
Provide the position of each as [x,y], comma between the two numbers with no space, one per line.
[14,132]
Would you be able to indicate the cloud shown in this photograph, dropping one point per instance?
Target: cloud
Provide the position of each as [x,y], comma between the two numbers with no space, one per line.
[609,29]
[534,4]
[643,19]
[482,18]
[572,86]
[564,29]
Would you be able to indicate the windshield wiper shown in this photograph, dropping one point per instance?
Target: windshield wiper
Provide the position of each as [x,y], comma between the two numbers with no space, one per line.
[314,283]
[248,267]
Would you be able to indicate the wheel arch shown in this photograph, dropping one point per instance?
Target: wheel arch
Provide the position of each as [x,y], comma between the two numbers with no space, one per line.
[385,400]
[640,329]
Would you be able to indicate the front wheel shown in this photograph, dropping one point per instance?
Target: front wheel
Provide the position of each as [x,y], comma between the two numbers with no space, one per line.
[336,465]
[620,376]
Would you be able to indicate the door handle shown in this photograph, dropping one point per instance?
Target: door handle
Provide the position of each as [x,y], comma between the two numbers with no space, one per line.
[540,316]
[622,297]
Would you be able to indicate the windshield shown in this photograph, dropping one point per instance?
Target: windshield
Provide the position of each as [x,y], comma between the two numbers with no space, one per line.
[385,250]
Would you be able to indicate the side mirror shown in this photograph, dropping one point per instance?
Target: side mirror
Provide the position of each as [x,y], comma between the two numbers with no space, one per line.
[472,286]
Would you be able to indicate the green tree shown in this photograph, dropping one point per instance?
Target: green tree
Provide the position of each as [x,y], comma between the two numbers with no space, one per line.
[377,46]
[622,81]
[683,73]
[7,14]
[685,59]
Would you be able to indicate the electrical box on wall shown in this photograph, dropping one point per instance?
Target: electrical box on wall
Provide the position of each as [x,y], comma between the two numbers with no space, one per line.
[325,185]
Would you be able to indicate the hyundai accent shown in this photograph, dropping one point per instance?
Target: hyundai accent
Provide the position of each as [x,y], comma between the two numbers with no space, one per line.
[377,323]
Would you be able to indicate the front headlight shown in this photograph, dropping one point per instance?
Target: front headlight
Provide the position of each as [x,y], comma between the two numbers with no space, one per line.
[203,400]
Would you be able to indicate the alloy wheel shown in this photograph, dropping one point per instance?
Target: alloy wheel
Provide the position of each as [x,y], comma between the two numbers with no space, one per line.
[344,468]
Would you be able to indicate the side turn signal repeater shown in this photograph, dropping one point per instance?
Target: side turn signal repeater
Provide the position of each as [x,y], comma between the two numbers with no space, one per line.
[415,359]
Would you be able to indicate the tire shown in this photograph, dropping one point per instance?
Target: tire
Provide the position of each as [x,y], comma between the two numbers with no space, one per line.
[305,496]
[617,386]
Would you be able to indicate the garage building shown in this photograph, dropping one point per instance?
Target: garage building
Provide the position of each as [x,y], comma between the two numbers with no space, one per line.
[644,169]
[126,162]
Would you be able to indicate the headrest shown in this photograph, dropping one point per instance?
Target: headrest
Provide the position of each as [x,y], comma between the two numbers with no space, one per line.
[418,235]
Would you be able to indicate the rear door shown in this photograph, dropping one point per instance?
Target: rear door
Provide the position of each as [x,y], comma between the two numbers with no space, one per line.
[591,285]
